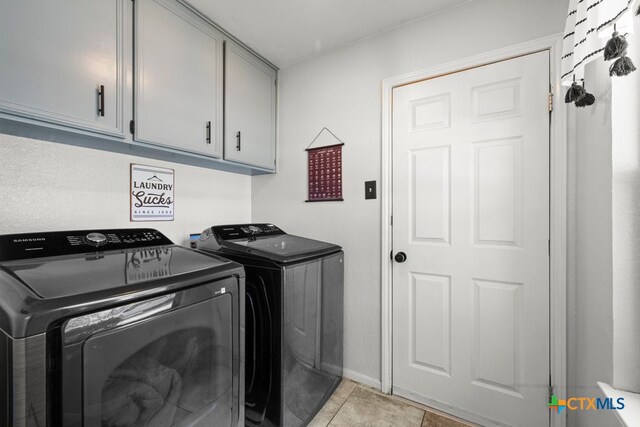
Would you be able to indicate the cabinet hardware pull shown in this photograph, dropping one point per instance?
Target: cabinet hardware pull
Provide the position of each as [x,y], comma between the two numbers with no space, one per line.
[239,139]
[209,132]
[101,100]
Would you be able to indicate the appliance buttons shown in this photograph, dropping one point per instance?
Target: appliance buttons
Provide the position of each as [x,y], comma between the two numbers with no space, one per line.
[96,239]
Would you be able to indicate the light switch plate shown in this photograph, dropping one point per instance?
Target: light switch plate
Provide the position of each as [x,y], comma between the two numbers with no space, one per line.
[370,190]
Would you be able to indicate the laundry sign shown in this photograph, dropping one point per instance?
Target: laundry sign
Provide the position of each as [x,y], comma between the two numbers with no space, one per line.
[152,193]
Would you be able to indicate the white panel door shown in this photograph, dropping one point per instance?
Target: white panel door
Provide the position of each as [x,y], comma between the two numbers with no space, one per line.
[56,56]
[471,212]
[250,109]
[178,78]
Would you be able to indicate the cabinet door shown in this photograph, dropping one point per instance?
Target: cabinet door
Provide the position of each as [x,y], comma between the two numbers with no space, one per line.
[178,78]
[54,58]
[250,109]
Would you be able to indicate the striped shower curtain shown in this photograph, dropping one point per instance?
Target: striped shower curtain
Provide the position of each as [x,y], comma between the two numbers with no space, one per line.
[589,25]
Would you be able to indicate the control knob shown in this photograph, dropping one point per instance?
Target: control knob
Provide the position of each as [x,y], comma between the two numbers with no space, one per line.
[96,239]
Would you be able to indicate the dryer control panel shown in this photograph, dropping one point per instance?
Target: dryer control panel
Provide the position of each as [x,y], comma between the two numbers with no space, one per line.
[36,245]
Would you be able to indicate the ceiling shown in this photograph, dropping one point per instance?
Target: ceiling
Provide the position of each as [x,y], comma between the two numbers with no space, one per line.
[289,31]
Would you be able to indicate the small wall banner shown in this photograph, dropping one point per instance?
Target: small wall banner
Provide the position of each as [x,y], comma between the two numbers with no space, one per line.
[152,193]
[325,171]
[325,174]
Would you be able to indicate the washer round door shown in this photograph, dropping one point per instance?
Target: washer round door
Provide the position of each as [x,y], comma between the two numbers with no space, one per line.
[175,362]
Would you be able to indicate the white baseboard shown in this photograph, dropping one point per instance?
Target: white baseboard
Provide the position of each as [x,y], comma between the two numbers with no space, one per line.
[362,379]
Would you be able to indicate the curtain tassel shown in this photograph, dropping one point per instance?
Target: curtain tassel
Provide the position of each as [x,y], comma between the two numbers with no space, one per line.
[575,93]
[617,48]
[622,67]
[587,100]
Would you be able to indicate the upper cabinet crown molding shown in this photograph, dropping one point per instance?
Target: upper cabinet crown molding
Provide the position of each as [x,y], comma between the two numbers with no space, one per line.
[63,63]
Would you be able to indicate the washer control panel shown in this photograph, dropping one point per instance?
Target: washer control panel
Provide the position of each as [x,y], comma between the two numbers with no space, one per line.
[36,245]
[244,231]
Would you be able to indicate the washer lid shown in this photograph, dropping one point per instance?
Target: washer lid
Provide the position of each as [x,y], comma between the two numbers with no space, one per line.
[63,276]
[282,248]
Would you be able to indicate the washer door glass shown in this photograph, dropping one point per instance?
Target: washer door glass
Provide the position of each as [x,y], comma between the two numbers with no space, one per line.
[174,369]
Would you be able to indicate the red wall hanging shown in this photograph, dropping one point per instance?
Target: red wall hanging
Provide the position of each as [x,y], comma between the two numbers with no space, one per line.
[324,165]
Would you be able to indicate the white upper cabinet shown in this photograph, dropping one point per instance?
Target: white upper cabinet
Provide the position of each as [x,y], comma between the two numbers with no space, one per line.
[250,109]
[62,62]
[152,68]
[177,78]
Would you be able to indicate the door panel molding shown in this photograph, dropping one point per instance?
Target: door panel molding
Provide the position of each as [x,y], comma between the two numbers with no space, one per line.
[435,227]
[558,206]
[430,326]
[495,230]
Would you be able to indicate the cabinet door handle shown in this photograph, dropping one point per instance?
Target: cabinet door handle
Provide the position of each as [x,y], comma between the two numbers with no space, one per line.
[101,100]
[239,140]
[209,132]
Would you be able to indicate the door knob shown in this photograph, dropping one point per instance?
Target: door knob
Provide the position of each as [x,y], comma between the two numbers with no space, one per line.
[400,257]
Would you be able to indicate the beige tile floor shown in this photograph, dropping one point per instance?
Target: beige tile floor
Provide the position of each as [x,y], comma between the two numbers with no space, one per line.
[355,404]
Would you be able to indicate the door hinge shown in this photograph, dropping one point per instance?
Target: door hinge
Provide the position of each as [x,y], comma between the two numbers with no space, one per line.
[391,255]
[549,246]
[550,390]
[132,127]
[550,102]
[391,219]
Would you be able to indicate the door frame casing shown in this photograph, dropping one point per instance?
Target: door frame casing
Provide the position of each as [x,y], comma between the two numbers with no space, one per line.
[558,193]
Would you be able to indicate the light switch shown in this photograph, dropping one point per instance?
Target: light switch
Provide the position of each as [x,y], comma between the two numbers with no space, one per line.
[370,190]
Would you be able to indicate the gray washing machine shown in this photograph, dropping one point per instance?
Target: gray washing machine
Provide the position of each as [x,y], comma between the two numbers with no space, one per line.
[294,319]
[118,327]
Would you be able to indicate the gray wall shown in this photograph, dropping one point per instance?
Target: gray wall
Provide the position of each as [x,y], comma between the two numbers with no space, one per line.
[626,224]
[47,186]
[590,322]
[342,90]
[604,344]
